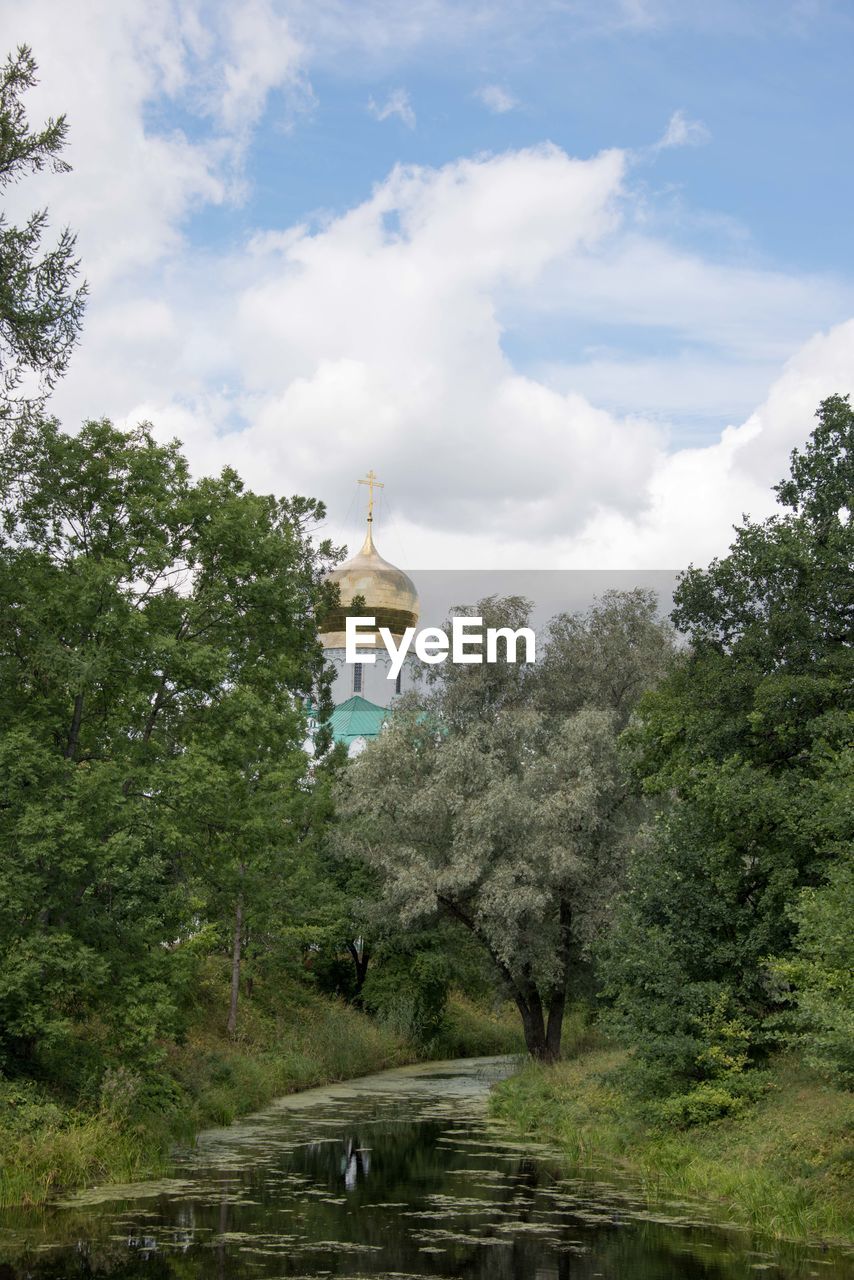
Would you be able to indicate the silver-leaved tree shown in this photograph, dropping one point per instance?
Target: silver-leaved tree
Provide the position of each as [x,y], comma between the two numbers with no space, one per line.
[498,798]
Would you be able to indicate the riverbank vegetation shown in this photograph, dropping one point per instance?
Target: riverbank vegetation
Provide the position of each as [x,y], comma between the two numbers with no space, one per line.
[290,1039]
[781,1166]
[730,939]
[125,1132]
[198,908]
[665,829]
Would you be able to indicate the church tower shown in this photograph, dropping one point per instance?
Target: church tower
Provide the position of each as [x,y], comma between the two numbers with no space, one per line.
[362,692]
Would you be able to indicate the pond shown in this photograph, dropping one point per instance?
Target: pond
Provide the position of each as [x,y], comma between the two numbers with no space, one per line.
[400,1175]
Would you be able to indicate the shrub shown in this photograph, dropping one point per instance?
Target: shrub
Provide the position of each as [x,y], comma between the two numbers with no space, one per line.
[23,1109]
[707,1101]
[409,993]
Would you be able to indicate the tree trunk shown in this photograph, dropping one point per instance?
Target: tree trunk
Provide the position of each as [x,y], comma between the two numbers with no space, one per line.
[540,1043]
[231,1025]
[74,731]
[542,1039]
[530,1006]
[557,999]
[535,1033]
[554,1030]
[157,704]
[249,980]
[361,959]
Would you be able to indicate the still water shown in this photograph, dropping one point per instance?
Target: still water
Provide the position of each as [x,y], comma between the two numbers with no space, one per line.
[401,1176]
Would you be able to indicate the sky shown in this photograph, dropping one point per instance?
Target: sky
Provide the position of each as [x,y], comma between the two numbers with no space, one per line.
[571,276]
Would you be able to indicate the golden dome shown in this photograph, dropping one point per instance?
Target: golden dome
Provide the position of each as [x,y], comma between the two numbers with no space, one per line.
[389,595]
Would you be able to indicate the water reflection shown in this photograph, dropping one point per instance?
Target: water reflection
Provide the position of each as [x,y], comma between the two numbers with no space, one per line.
[400,1175]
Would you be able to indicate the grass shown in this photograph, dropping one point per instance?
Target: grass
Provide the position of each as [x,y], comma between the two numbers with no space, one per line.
[782,1168]
[311,1040]
[48,1147]
[78,1149]
[470,1031]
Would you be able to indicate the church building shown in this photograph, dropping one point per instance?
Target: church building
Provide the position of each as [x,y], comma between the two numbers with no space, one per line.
[362,692]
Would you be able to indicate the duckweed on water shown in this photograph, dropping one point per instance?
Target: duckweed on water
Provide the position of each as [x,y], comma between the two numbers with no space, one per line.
[381,1179]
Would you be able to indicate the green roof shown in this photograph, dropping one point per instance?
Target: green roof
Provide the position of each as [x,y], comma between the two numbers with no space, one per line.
[357,718]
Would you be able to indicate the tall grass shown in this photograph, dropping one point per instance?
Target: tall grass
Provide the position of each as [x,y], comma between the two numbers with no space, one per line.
[470,1031]
[47,1148]
[36,1166]
[288,1039]
[783,1168]
[310,1040]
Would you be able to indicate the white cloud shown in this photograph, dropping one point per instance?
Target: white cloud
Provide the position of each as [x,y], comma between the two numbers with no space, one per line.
[324,351]
[685,388]
[261,54]
[113,67]
[647,282]
[396,104]
[496,99]
[697,495]
[681,131]
[384,336]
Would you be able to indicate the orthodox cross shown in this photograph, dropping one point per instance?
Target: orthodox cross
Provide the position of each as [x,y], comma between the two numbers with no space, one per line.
[373,483]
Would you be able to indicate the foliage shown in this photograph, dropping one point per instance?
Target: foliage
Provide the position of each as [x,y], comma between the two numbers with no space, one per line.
[40,308]
[469,1030]
[747,749]
[290,1040]
[706,1101]
[341,922]
[477,804]
[158,811]
[157,640]
[821,972]
[608,656]
[408,991]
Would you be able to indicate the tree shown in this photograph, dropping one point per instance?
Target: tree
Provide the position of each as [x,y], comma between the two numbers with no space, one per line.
[479,804]
[747,745]
[157,641]
[820,971]
[608,656]
[40,309]
[234,797]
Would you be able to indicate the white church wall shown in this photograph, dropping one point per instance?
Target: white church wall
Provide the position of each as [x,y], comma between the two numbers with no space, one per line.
[376,687]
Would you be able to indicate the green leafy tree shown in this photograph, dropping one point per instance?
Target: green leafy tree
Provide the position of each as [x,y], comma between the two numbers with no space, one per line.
[41,309]
[233,793]
[408,986]
[477,804]
[152,628]
[747,747]
[820,971]
[607,656]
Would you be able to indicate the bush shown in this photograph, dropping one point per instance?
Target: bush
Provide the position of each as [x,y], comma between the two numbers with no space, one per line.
[409,993]
[24,1110]
[120,1092]
[708,1101]
[717,1078]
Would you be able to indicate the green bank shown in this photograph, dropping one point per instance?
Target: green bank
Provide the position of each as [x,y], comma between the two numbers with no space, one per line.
[782,1167]
[288,1041]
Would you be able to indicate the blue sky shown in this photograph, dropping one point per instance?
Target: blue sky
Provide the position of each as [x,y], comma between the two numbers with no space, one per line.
[772,83]
[599,254]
